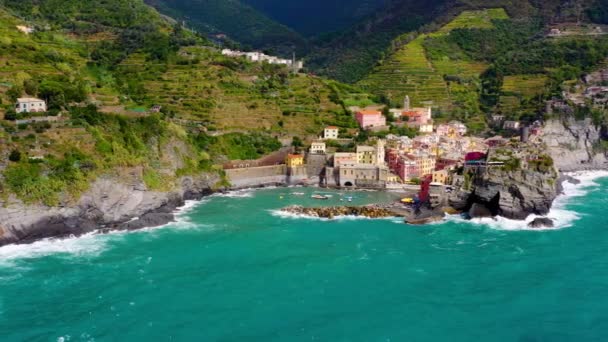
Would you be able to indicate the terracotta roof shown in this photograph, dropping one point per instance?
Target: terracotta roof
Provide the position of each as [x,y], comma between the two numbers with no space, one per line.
[331,127]
[292,156]
[369,112]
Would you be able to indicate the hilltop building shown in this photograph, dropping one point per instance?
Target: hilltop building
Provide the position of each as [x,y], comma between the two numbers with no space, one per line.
[257,56]
[370,119]
[330,132]
[30,105]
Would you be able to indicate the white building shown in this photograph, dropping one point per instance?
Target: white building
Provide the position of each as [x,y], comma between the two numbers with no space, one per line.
[330,132]
[317,147]
[513,125]
[257,56]
[30,105]
[426,128]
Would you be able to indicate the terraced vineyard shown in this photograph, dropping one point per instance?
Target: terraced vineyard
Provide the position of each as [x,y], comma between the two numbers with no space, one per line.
[204,91]
[410,71]
[520,87]
[23,56]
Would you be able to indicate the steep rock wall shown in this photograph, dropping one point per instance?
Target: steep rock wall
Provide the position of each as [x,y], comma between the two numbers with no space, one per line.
[573,144]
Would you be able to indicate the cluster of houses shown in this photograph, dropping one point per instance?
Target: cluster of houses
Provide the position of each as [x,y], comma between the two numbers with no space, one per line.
[257,56]
[399,160]
[416,118]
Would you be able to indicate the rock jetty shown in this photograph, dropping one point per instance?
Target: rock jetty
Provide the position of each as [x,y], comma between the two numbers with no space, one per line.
[372,211]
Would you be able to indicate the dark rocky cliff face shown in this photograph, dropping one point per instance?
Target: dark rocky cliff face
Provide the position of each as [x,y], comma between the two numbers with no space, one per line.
[513,194]
[108,205]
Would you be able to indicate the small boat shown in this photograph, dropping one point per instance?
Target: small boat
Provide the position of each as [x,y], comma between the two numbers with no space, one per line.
[319,197]
[297,193]
[350,199]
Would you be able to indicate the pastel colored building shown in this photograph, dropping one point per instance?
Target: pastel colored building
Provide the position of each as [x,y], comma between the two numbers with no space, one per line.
[30,105]
[330,132]
[370,119]
[366,155]
[513,125]
[342,158]
[426,128]
[441,177]
[426,165]
[294,160]
[317,147]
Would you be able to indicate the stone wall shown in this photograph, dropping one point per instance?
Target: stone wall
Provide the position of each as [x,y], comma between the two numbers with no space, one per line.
[257,176]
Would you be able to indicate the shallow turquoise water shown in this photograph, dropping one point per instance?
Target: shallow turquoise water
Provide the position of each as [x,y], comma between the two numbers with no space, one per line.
[232,270]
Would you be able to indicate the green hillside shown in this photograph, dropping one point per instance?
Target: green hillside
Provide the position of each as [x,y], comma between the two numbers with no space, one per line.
[239,21]
[423,70]
[484,62]
[101,71]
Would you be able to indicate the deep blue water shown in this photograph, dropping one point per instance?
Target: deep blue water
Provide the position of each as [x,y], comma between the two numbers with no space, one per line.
[234,270]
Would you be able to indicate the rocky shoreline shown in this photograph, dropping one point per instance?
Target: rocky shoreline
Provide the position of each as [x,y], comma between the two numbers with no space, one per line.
[108,206]
[111,205]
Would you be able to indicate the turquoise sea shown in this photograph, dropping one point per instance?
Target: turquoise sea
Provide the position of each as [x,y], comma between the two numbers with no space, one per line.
[232,269]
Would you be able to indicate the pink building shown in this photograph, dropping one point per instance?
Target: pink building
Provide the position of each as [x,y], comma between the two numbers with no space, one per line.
[370,119]
[342,158]
[402,165]
[407,169]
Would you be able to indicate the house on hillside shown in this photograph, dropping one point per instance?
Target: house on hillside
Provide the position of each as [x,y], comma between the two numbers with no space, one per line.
[30,105]
[512,125]
[330,132]
[370,119]
[317,147]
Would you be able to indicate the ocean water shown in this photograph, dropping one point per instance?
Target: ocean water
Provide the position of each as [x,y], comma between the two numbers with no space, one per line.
[235,269]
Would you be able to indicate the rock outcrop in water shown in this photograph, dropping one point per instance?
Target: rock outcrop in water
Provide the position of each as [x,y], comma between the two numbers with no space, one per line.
[332,212]
[541,222]
[511,194]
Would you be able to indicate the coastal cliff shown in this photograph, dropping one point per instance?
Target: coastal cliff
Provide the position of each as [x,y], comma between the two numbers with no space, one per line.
[575,145]
[109,204]
[511,194]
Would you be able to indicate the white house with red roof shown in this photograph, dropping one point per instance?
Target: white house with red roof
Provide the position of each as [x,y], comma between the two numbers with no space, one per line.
[330,132]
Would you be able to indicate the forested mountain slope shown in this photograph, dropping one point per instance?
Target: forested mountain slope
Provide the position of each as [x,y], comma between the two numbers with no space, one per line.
[134,95]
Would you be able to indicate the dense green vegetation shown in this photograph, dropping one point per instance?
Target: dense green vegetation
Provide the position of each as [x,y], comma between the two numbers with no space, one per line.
[239,21]
[329,16]
[598,12]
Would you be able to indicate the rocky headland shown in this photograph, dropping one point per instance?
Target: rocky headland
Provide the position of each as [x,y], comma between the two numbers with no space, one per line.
[109,204]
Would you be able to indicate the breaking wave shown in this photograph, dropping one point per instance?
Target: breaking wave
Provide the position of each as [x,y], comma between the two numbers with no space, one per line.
[561,216]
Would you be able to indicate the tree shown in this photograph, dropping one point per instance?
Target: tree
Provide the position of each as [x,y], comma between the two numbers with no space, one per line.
[15,92]
[297,142]
[15,156]
[31,87]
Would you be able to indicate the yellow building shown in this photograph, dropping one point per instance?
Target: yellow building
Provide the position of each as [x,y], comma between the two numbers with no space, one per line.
[366,155]
[441,177]
[294,160]
[425,165]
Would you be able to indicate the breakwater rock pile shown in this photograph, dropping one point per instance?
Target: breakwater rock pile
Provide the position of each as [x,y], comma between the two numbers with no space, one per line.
[373,211]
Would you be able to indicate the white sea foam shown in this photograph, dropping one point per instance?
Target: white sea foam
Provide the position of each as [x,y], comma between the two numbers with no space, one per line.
[288,215]
[562,217]
[244,193]
[86,245]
